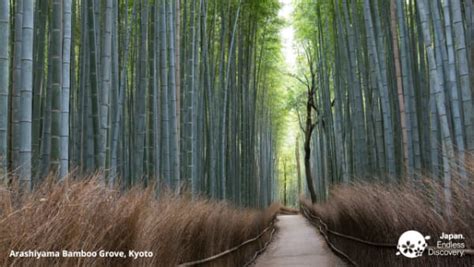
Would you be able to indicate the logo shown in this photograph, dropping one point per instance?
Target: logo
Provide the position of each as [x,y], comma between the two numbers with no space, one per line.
[411,244]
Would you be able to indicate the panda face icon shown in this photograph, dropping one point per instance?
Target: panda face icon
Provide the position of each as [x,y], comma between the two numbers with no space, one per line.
[411,244]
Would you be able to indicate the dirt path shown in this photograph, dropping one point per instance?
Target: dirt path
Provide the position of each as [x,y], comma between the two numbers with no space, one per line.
[297,243]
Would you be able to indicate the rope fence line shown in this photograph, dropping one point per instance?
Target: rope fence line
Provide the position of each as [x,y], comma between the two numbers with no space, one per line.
[261,250]
[228,251]
[370,243]
[307,213]
[326,237]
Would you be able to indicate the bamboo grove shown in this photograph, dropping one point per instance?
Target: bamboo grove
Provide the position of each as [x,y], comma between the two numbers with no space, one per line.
[392,88]
[180,94]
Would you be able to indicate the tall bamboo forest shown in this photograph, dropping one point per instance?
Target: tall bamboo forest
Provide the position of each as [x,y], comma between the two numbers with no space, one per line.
[181,94]
[389,86]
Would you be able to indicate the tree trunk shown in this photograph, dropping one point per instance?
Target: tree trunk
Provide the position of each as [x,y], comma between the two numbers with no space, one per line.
[56,77]
[4,88]
[307,145]
[26,101]
[105,90]
[164,97]
[66,84]
[298,166]
[173,84]
[401,100]
[16,86]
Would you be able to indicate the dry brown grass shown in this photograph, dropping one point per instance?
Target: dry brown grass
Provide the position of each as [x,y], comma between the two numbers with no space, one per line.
[381,213]
[84,215]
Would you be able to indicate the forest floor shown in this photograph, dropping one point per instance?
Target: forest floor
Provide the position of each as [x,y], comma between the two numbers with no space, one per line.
[297,244]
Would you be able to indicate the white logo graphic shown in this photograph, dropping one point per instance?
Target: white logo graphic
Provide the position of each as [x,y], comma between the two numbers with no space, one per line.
[411,244]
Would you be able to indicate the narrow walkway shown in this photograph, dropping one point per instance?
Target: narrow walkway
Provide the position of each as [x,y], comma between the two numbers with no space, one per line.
[297,243]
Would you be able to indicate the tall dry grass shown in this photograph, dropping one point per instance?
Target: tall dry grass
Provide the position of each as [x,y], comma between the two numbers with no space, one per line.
[381,213]
[85,215]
